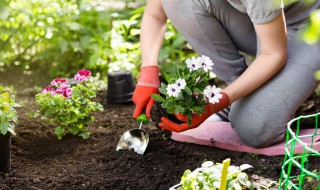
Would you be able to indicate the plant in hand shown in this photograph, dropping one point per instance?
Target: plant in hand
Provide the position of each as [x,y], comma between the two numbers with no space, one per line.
[208,176]
[8,115]
[187,90]
[70,107]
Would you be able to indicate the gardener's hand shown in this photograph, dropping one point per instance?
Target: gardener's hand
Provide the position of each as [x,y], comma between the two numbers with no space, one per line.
[196,120]
[148,83]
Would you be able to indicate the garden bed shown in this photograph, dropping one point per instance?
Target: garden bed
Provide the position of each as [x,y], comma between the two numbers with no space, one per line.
[41,161]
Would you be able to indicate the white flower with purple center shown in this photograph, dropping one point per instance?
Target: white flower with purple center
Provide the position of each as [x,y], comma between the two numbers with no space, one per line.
[173,90]
[181,83]
[206,63]
[193,63]
[213,94]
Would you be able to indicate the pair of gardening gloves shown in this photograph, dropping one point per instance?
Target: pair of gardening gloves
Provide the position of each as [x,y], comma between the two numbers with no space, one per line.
[149,83]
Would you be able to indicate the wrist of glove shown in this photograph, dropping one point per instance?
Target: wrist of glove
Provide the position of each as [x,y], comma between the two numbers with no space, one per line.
[148,84]
[196,120]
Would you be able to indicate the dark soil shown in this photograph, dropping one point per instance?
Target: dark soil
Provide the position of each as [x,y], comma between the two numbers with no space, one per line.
[41,161]
[157,112]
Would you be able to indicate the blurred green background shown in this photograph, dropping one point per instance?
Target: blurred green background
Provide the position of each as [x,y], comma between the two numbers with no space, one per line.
[45,39]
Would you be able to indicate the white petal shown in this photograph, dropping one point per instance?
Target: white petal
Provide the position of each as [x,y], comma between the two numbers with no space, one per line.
[245,166]
[11,131]
[207,164]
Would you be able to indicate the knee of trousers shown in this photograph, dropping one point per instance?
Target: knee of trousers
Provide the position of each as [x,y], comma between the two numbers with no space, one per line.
[257,131]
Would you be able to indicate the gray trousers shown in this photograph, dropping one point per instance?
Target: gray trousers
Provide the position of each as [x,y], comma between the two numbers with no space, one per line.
[215,29]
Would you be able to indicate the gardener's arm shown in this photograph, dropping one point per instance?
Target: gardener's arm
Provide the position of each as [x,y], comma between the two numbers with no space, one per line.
[272,57]
[153,28]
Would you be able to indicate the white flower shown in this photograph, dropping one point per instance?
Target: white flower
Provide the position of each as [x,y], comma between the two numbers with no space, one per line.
[193,63]
[181,83]
[216,184]
[213,94]
[207,164]
[206,63]
[173,90]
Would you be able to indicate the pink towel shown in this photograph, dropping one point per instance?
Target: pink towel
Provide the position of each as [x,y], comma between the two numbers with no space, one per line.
[221,135]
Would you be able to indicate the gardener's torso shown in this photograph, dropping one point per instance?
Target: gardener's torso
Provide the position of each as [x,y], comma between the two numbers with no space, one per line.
[262,11]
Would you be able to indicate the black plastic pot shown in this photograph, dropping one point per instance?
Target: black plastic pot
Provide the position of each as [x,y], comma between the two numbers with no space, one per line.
[120,87]
[5,152]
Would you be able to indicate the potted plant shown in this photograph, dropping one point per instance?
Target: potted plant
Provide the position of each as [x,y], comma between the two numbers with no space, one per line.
[8,120]
[69,107]
[185,91]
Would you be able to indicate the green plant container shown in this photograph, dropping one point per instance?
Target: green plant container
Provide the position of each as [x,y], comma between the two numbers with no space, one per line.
[296,173]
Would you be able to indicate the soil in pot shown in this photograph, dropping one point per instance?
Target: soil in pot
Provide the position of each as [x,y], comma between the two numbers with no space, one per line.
[5,152]
[157,112]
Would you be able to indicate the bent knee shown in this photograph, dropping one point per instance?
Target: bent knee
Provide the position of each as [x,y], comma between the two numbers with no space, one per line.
[258,134]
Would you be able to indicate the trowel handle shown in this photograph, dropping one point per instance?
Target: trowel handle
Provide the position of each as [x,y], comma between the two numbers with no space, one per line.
[142,119]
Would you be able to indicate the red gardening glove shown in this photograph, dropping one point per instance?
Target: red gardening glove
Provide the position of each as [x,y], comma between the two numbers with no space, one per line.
[196,120]
[148,83]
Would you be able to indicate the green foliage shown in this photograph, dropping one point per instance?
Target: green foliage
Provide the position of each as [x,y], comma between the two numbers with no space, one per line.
[208,177]
[8,115]
[9,89]
[47,34]
[72,114]
[312,33]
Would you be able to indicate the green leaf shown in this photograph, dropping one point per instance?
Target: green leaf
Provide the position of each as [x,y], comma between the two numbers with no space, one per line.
[179,109]
[197,90]
[187,90]
[198,109]
[163,90]
[157,98]
[166,104]
[53,102]
[85,135]
[178,42]
[167,77]
[49,111]
[59,132]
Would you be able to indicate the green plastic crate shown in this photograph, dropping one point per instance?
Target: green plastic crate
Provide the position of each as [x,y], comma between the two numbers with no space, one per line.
[294,171]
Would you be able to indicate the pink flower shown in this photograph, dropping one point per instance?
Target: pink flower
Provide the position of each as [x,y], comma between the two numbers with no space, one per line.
[82,75]
[48,89]
[67,93]
[65,90]
[58,81]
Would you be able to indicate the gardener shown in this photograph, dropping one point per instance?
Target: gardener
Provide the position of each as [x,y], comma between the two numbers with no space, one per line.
[263,95]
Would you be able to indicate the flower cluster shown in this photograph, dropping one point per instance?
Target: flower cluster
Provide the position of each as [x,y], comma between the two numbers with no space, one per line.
[175,88]
[82,75]
[202,62]
[208,176]
[68,106]
[60,86]
[187,90]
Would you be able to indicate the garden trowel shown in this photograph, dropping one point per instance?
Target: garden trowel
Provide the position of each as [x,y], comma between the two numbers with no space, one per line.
[136,139]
